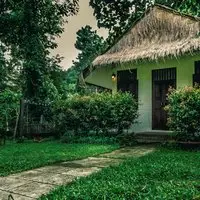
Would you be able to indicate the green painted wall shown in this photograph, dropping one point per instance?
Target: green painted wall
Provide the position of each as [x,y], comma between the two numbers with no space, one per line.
[102,77]
[185,70]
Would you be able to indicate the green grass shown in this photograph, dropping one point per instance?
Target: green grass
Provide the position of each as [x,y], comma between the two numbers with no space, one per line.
[29,155]
[162,175]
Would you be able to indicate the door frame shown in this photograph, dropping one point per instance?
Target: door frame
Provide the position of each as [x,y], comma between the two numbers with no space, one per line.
[161,75]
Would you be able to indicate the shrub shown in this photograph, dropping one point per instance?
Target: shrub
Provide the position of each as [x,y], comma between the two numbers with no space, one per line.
[99,113]
[184,113]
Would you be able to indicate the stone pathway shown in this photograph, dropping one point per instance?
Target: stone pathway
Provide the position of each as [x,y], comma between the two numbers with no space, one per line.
[32,184]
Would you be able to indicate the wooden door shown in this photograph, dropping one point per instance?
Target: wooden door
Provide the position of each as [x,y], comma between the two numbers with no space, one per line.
[162,81]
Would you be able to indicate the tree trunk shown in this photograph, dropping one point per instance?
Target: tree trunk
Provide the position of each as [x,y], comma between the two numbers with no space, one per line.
[21,118]
[16,125]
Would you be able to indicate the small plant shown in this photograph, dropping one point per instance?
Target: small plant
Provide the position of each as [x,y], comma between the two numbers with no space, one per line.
[184,113]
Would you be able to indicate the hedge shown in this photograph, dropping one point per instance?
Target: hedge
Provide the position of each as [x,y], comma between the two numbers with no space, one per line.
[97,113]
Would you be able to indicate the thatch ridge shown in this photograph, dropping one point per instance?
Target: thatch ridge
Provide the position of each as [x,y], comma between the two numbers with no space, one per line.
[161,32]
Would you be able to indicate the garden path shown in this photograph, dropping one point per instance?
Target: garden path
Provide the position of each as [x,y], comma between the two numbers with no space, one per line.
[32,184]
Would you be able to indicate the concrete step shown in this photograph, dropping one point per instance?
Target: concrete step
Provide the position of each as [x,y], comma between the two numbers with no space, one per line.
[153,137]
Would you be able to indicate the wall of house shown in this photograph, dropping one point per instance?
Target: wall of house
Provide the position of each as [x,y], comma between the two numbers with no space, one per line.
[102,77]
[185,70]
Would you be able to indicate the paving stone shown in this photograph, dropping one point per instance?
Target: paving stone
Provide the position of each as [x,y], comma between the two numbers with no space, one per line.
[91,162]
[11,182]
[47,175]
[27,174]
[33,189]
[4,196]
[79,172]
[129,152]
[54,179]
[54,169]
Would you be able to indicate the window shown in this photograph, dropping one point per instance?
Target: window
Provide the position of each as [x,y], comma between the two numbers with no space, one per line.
[196,75]
[127,81]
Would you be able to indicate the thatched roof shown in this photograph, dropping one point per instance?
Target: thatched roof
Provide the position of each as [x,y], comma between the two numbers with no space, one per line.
[159,33]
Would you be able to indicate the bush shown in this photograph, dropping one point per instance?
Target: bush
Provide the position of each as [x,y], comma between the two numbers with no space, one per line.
[184,113]
[97,113]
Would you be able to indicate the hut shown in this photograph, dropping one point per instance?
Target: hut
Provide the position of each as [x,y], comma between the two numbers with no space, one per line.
[158,51]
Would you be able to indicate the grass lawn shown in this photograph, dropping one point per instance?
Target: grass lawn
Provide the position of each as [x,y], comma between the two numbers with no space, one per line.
[164,174]
[29,155]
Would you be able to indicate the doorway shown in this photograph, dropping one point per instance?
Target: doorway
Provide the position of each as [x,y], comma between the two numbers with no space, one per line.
[162,80]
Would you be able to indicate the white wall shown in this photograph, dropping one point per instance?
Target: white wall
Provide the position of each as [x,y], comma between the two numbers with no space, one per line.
[185,70]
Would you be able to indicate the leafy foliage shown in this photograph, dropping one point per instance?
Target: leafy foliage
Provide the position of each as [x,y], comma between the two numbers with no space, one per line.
[98,113]
[161,175]
[30,27]
[90,45]
[9,108]
[70,82]
[191,7]
[170,3]
[116,15]
[10,73]
[184,113]
[88,41]
[3,72]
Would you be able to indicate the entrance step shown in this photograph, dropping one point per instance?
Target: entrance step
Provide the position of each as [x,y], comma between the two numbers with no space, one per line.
[153,137]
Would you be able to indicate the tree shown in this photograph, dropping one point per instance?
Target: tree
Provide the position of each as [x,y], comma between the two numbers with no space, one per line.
[3,65]
[170,3]
[116,15]
[9,73]
[9,108]
[88,41]
[191,7]
[31,27]
[90,44]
